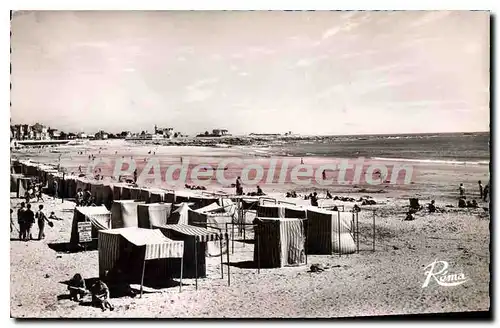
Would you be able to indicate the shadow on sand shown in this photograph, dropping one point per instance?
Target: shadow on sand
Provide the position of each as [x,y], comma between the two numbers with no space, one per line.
[72,248]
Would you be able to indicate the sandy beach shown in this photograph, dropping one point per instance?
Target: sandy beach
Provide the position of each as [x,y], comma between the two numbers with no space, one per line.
[382,282]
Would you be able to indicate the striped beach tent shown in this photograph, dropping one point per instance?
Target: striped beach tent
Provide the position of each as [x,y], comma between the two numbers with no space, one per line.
[22,186]
[124,214]
[270,211]
[195,242]
[152,214]
[99,216]
[329,232]
[133,255]
[14,181]
[280,242]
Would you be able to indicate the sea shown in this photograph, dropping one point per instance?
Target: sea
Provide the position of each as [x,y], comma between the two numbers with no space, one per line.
[452,148]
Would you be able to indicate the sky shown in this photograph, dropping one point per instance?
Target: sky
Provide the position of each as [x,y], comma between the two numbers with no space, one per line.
[308,72]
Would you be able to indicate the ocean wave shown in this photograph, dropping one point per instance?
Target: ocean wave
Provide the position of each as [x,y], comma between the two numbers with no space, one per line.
[432,161]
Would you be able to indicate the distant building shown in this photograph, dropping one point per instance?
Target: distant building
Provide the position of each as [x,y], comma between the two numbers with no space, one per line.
[82,135]
[54,133]
[165,132]
[101,135]
[219,132]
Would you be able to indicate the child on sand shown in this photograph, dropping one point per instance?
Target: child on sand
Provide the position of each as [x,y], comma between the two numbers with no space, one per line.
[77,288]
[100,296]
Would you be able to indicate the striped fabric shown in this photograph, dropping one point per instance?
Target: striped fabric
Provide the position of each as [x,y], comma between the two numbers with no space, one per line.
[109,250]
[281,242]
[281,211]
[323,232]
[204,235]
[157,246]
[270,211]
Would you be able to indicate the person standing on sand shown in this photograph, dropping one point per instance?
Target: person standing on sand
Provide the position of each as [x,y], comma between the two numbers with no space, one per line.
[11,221]
[21,221]
[239,188]
[29,220]
[461,189]
[41,222]
[55,188]
[480,185]
[314,199]
[39,196]
[486,192]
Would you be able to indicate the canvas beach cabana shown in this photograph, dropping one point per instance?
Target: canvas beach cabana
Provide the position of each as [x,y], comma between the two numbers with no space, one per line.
[132,255]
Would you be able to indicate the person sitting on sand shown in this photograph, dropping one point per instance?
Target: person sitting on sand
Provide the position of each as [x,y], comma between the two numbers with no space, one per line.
[461,202]
[335,209]
[294,194]
[77,288]
[432,207]
[480,185]
[100,296]
[288,194]
[356,208]
[259,191]
[53,216]
[474,204]
[328,195]
[409,216]
[461,189]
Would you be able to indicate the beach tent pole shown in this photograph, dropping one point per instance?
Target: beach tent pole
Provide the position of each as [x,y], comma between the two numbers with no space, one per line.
[304,222]
[196,262]
[182,266]
[258,252]
[232,235]
[221,257]
[143,269]
[228,266]
[340,249]
[374,230]
[357,230]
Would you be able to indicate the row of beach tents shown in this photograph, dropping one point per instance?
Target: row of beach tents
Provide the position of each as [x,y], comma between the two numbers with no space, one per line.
[283,234]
